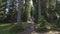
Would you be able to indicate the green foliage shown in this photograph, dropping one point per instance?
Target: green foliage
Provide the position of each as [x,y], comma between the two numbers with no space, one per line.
[11,15]
[41,27]
[41,24]
[41,19]
[52,4]
[19,28]
[2,8]
[4,29]
[57,10]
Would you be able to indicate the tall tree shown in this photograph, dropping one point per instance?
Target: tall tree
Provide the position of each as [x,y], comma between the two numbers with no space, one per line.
[39,9]
[19,5]
[35,4]
[2,9]
[28,9]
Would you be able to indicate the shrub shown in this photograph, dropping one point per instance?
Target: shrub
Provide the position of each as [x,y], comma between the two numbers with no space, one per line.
[41,26]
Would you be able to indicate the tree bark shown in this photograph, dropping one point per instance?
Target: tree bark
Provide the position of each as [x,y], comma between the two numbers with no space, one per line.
[28,9]
[19,5]
[39,9]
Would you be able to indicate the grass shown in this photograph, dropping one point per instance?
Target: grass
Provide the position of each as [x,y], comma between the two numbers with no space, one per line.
[4,28]
[6,32]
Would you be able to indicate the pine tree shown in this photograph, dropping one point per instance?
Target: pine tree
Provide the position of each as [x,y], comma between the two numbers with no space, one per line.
[2,9]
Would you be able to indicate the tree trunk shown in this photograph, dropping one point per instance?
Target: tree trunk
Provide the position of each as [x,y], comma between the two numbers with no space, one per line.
[19,5]
[35,10]
[28,9]
[39,8]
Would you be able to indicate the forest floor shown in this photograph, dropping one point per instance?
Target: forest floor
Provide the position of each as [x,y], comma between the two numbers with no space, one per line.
[28,30]
[50,32]
[4,28]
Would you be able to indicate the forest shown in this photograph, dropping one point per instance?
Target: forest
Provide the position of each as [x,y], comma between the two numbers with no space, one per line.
[29,16]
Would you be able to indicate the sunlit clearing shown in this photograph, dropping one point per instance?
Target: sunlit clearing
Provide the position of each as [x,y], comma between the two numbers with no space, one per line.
[4,24]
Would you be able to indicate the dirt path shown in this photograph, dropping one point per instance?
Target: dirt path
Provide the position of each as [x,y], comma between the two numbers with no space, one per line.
[50,32]
[28,30]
